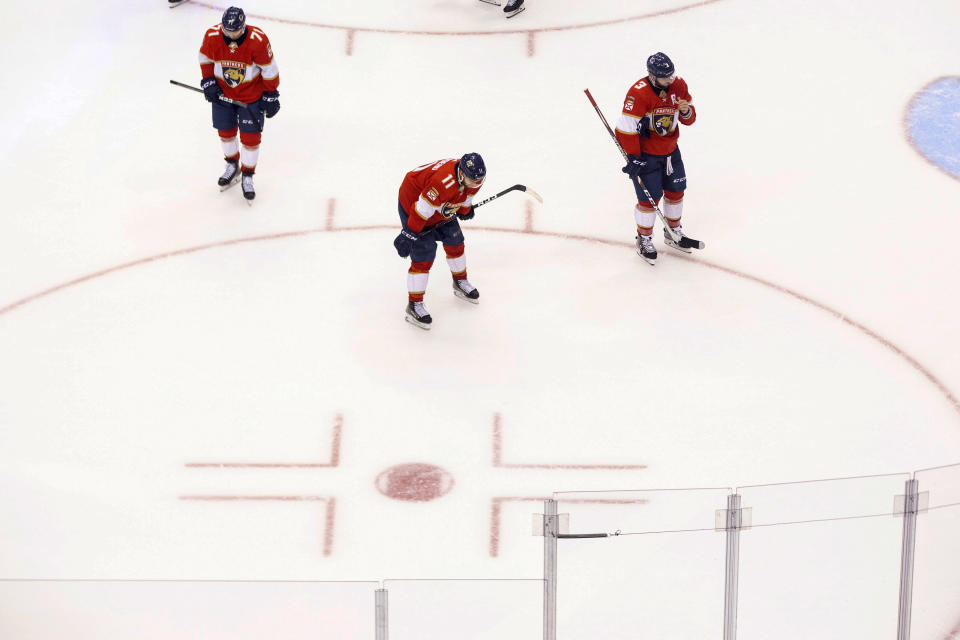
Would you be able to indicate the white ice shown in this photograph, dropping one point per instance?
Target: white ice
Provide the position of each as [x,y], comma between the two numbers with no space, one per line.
[149,323]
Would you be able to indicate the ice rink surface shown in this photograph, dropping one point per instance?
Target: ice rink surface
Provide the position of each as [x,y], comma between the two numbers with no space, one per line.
[195,389]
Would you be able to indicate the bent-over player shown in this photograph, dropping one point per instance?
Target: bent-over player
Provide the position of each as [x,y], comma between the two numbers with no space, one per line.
[433,199]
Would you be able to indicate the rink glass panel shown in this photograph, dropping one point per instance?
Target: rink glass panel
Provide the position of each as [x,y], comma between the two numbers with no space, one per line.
[161,610]
[465,609]
[666,562]
[821,560]
[936,579]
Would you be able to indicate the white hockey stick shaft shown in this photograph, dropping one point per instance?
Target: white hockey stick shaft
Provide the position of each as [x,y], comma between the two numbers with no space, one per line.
[516,187]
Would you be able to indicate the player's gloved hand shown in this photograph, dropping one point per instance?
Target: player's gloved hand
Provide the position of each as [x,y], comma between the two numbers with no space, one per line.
[466,216]
[684,106]
[404,242]
[635,166]
[643,127]
[270,103]
[211,90]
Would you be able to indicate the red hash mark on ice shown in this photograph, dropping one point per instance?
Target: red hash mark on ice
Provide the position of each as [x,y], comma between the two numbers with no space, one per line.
[496,507]
[332,462]
[329,510]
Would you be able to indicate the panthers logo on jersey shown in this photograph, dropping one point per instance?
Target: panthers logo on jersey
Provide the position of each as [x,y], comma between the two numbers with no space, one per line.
[663,121]
[233,72]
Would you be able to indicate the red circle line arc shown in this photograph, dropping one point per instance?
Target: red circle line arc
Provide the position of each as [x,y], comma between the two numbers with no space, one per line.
[886,343]
[415,32]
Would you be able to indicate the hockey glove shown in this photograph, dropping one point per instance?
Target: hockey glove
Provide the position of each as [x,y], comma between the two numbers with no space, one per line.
[404,242]
[635,166]
[270,103]
[643,127]
[211,90]
[466,216]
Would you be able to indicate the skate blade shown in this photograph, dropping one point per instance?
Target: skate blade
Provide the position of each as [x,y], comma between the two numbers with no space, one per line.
[650,261]
[417,323]
[463,296]
[516,13]
[229,184]
[182,2]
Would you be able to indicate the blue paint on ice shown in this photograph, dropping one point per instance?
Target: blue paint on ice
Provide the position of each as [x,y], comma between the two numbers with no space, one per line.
[933,122]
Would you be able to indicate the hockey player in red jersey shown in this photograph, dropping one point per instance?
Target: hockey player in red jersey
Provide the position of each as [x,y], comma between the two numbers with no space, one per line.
[433,199]
[236,61]
[648,131]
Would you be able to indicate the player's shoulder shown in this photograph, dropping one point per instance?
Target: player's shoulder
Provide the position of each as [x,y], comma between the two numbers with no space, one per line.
[443,180]
[640,90]
[680,85]
[256,34]
[259,40]
[212,32]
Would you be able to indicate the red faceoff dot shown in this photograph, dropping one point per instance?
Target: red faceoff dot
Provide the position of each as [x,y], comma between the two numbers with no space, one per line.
[414,482]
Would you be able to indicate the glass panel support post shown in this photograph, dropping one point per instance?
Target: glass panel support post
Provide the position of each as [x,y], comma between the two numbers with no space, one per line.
[381,609]
[732,527]
[550,530]
[907,549]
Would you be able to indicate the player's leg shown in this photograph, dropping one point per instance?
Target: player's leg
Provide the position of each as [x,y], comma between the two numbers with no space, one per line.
[675,183]
[452,237]
[422,254]
[225,122]
[644,213]
[249,150]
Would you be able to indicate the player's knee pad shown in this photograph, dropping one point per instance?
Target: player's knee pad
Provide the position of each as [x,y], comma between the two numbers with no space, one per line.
[673,196]
[645,206]
[226,134]
[454,251]
[249,139]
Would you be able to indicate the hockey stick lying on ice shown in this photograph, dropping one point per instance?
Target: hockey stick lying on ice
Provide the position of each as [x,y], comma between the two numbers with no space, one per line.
[223,98]
[516,187]
[636,181]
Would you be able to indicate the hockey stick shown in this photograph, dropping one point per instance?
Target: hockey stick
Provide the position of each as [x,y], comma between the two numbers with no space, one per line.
[516,187]
[223,98]
[636,181]
[249,107]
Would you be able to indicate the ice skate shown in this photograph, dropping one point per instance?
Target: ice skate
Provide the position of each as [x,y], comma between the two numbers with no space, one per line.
[646,250]
[230,177]
[512,8]
[417,315]
[247,186]
[685,244]
[466,291]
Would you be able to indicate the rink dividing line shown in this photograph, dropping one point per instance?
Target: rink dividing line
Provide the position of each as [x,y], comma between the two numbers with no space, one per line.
[886,343]
[351,31]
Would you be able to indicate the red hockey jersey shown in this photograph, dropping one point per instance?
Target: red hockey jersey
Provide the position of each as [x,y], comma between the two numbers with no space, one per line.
[659,107]
[431,194]
[244,70]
